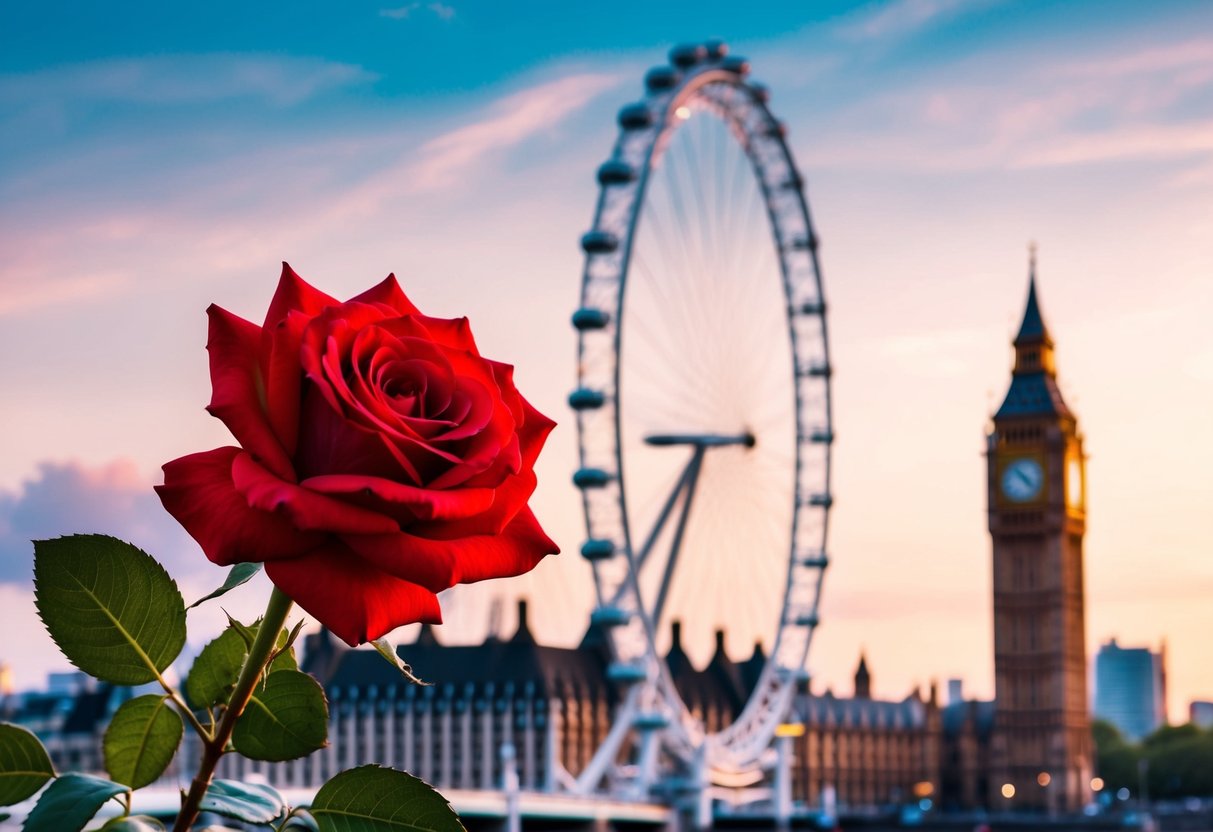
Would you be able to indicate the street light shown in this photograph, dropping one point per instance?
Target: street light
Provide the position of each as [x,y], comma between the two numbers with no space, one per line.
[1044,779]
[1008,791]
[1097,784]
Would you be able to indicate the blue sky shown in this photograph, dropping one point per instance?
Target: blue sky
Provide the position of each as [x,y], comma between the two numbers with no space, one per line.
[155,158]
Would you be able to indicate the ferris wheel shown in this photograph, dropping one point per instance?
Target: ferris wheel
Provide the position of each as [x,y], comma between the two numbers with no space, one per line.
[703,411]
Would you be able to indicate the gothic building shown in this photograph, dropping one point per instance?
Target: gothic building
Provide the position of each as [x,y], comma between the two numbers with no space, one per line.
[553,706]
[1040,755]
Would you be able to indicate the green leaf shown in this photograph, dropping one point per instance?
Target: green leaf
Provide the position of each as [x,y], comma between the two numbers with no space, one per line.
[141,740]
[24,764]
[286,718]
[134,823]
[70,802]
[112,609]
[239,574]
[388,652]
[302,820]
[214,672]
[248,802]
[374,799]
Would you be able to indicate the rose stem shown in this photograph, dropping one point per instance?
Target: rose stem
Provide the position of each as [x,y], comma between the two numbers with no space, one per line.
[212,749]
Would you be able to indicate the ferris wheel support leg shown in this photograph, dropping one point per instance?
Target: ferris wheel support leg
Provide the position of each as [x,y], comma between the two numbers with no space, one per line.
[783,783]
[693,470]
[605,757]
[650,744]
[703,792]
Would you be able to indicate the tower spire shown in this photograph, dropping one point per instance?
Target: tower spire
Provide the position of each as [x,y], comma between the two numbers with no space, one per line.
[1034,388]
[1032,331]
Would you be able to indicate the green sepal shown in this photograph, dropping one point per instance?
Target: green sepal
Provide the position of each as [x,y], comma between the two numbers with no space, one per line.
[388,652]
[239,574]
[286,718]
[248,802]
[112,609]
[375,799]
[24,764]
[69,803]
[141,740]
[247,634]
[215,670]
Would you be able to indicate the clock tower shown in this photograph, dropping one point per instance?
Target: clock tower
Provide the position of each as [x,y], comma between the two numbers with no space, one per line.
[1041,749]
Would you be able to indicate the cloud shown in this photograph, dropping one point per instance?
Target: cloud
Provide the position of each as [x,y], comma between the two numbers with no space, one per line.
[400,12]
[71,498]
[33,294]
[439,10]
[447,160]
[179,79]
[899,18]
[512,120]
[1056,109]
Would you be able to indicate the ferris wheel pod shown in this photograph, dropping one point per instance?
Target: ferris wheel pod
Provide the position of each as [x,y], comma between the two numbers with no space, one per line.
[598,549]
[821,436]
[586,318]
[650,721]
[626,673]
[616,172]
[661,78]
[735,64]
[609,617]
[599,242]
[686,55]
[585,399]
[585,478]
[817,560]
[717,49]
[635,117]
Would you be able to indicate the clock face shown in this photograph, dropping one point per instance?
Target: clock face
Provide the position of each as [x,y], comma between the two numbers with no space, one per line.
[1022,480]
[1074,482]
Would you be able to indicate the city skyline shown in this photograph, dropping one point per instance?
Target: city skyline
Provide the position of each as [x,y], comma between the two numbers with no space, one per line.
[159,163]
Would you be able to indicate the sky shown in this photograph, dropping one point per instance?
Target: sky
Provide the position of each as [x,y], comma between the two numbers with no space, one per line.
[156,158]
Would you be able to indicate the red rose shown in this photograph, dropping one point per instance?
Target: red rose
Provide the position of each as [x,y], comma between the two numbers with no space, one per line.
[382,461]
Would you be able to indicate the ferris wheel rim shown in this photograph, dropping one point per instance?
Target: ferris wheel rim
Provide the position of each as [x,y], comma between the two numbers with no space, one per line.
[669,88]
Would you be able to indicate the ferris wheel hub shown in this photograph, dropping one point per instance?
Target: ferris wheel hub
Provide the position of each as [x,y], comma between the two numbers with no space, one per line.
[701,440]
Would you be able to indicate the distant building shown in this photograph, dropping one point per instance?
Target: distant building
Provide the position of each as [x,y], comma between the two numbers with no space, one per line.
[1201,713]
[1130,688]
[70,718]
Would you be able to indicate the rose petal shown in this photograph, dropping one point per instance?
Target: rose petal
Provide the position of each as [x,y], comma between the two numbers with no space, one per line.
[388,293]
[238,393]
[385,496]
[508,500]
[521,546]
[533,433]
[358,602]
[284,378]
[306,509]
[295,294]
[331,444]
[199,493]
[438,564]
